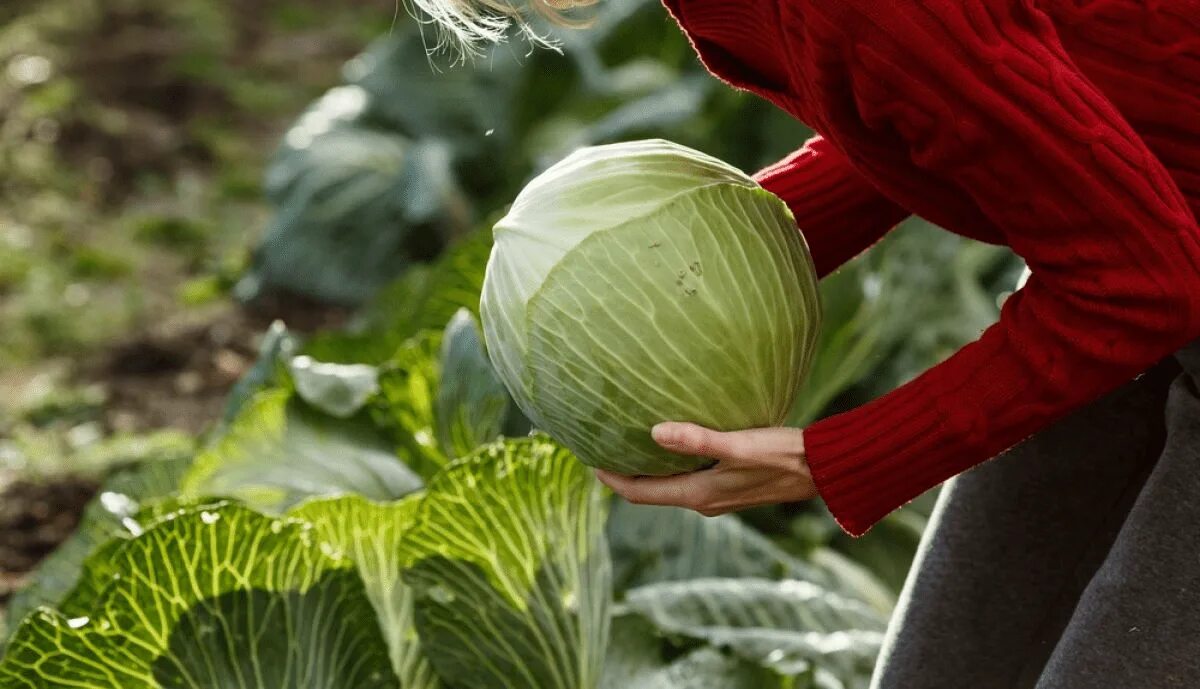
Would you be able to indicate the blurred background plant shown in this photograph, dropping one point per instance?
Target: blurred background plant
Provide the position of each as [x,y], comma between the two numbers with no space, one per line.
[175,176]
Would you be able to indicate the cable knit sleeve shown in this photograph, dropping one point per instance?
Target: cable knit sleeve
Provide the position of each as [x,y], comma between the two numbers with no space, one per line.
[839,213]
[978,99]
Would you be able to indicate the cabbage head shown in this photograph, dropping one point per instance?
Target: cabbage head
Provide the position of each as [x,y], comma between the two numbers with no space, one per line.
[642,282]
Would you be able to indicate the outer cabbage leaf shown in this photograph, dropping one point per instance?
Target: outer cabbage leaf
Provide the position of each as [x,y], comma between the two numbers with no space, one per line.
[472,406]
[279,452]
[339,390]
[510,571]
[370,534]
[101,566]
[792,627]
[215,597]
[652,544]
[278,346]
[439,398]
[640,658]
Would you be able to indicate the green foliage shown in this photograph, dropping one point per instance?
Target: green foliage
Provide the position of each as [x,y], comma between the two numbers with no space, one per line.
[59,405]
[82,449]
[472,405]
[214,596]
[91,262]
[355,205]
[891,545]
[662,544]
[439,398]
[640,657]
[409,94]
[424,299]
[794,628]
[370,534]
[131,153]
[510,570]
[171,232]
[900,308]
[408,385]
[496,575]
[278,451]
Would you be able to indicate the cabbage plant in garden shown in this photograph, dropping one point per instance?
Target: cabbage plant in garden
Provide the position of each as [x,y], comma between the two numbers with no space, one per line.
[643,282]
[390,523]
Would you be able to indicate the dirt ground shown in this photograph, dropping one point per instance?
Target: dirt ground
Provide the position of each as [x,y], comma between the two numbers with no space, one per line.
[178,375]
[34,519]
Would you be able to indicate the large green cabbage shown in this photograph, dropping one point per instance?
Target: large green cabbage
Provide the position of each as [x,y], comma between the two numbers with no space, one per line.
[643,282]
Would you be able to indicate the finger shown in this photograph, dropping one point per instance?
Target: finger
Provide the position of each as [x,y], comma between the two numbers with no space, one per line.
[685,490]
[756,443]
[694,440]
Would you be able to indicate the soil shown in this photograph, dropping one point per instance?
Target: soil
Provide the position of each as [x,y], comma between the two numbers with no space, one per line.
[177,375]
[34,519]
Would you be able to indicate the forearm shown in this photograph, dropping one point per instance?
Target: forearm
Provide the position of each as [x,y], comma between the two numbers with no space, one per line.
[983,102]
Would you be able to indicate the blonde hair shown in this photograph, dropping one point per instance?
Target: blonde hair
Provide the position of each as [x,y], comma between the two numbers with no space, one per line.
[464,24]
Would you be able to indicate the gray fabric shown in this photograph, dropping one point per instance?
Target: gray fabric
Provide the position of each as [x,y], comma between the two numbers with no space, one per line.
[1072,561]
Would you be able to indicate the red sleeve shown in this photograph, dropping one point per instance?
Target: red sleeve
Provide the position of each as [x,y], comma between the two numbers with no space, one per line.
[839,213]
[979,98]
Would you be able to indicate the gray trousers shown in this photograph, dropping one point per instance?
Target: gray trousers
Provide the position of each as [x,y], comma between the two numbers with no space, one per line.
[1072,561]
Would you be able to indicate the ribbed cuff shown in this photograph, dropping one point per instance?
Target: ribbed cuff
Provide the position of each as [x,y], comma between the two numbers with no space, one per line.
[869,461]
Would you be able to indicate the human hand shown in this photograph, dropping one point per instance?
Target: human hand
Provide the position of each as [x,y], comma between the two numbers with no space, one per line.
[761,466]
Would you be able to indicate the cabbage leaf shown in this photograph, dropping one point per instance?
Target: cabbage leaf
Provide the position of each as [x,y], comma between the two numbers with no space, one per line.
[218,596]
[510,571]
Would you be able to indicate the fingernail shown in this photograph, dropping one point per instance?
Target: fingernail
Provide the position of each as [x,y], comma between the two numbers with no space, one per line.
[659,432]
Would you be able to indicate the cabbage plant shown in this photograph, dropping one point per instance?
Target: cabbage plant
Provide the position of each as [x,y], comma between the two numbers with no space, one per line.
[496,575]
[643,282]
[406,546]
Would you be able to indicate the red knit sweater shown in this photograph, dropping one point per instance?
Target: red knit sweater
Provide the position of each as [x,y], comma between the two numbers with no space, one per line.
[1068,130]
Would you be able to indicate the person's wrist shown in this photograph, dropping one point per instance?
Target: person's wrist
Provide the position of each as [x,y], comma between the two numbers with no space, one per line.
[799,469]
